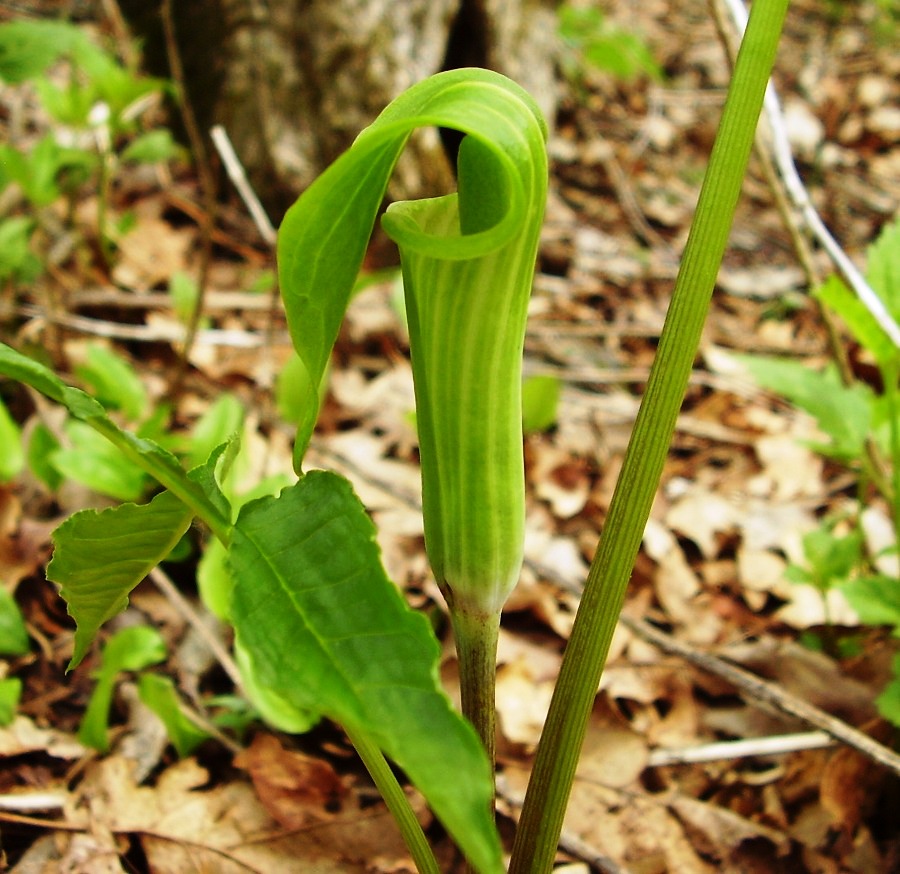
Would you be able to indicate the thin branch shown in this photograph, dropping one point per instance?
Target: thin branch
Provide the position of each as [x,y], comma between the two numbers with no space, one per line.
[767,693]
[181,604]
[238,177]
[777,745]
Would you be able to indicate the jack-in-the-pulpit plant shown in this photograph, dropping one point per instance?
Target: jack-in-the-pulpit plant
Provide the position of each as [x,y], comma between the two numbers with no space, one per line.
[468,263]
[319,626]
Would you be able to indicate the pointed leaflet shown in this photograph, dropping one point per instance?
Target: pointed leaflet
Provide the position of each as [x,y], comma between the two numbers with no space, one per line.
[323,238]
[148,455]
[99,557]
[331,633]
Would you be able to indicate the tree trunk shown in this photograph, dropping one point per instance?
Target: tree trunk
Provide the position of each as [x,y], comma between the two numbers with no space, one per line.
[294,81]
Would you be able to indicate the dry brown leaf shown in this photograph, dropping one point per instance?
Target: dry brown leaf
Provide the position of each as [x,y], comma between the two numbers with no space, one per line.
[151,252]
[186,828]
[23,736]
[719,831]
[294,788]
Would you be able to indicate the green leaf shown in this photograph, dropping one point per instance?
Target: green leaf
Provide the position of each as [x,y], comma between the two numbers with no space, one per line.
[159,694]
[114,381]
[13,634]
[27,48]
[834,294]
[540,401]
[214,580]
[152,147]
[884,267]
[10,693]
[184,293]
[292,390]
[330,633]
[843,413]
[274,709]
[99,557]
[152,458]
[96,463]
[131,649]
[12,456]
[876,599]
[221,421]
[888,701]
[16,257]
[41,447]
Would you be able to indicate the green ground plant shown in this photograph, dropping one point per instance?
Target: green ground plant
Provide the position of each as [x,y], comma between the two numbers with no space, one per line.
[318,623]
[95,104]
[861,425]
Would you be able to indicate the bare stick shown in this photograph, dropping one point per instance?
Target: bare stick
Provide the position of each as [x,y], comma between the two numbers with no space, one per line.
[764,692]
[181,604]
[235,170]
[776,745]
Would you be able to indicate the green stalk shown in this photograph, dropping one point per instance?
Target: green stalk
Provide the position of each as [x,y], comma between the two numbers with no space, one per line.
[476,647]
[396,800]
[545,802]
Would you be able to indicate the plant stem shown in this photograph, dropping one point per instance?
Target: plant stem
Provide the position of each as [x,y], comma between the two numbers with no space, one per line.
[476,637]
[396,801]
[548,791]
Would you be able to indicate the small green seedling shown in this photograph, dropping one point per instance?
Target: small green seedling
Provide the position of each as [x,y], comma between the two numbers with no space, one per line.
[861,425]
[131,649]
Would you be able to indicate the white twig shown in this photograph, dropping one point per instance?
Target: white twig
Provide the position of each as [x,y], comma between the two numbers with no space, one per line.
[736,749]
[27,802]
[781,149]
[236,174]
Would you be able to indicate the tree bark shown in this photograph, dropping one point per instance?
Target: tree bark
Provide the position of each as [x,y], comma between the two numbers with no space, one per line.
[294,81]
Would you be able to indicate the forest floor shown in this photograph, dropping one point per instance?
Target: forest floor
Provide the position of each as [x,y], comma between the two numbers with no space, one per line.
[710,591]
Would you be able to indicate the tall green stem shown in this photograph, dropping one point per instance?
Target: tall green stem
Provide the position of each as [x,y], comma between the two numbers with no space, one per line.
[554,770]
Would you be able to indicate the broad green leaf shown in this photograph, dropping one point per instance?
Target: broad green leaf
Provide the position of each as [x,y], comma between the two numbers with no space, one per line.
[131,649]
[159,694]
[274,709]
[94,462]
[540,400]
[114,381]
[330,633]
[13,634]
[99,557]
[214,580]
[152,458]
[876,599]
[12,455]
[10,693]
[843,413]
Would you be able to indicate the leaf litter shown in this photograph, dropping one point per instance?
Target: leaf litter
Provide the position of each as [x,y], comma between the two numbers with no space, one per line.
[740,491]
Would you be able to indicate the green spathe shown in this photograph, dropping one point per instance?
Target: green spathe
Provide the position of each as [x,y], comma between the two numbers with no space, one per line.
[468,261]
